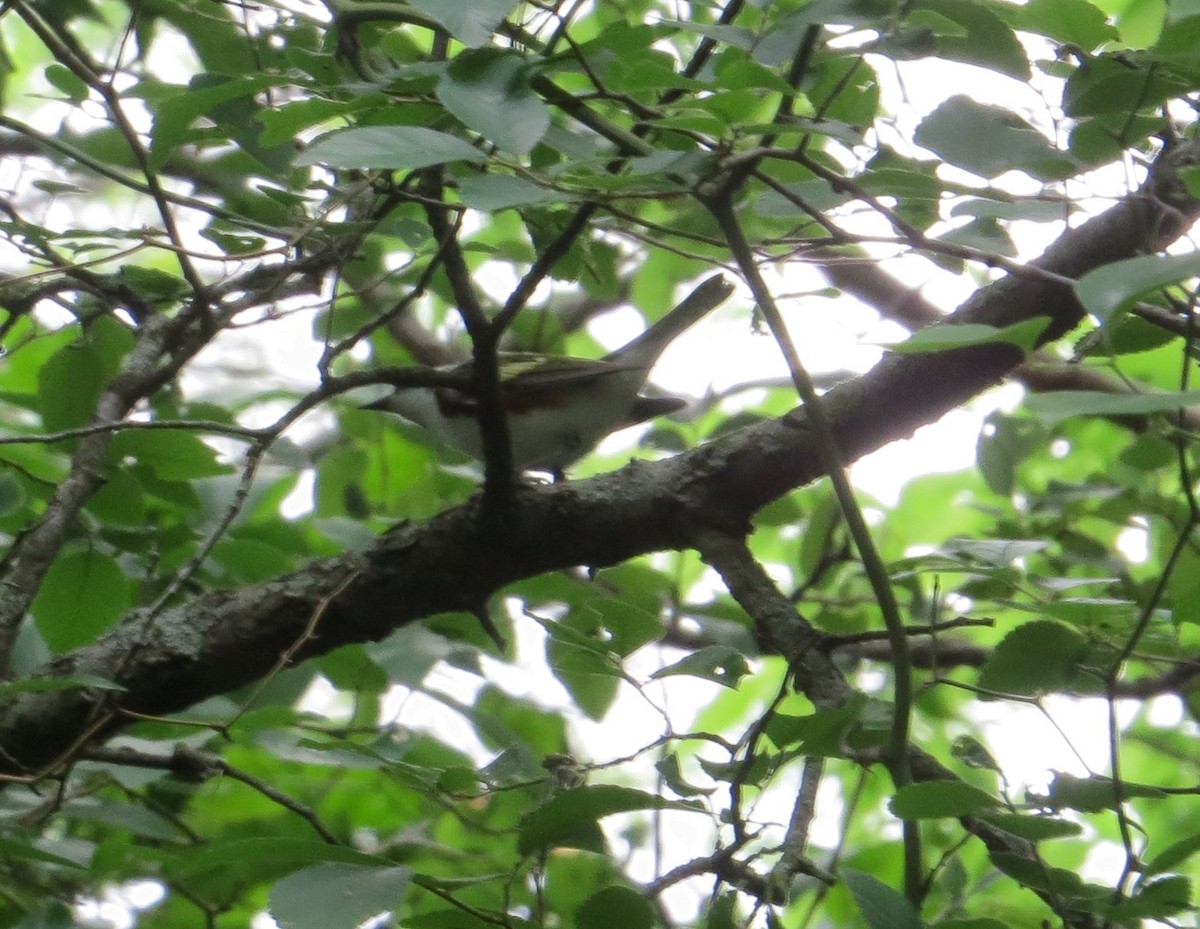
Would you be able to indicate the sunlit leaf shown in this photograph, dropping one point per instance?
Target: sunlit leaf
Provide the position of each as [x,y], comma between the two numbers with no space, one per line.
[336,894]
[1116,286]
[938,799]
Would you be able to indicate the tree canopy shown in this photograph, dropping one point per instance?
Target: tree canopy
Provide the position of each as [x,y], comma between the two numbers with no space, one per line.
[267,652]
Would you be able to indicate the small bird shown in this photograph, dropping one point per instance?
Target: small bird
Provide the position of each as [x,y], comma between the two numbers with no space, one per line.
[557,407]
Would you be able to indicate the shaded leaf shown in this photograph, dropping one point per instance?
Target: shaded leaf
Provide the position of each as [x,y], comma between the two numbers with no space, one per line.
[11,849]
[570,818]
[1037,875]
[1039,657]
[668,767]
[990,140]
[616,906]
[395,147]
[1033,828]
[83,594]
[717,663]
[171,455]
[978,36]
[1093,794]
[881,906]
[492,192]
[1173,855]
[1156,899]
[940,338]
[489,91]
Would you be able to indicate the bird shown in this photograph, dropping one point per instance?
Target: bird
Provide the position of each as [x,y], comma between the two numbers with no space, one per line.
[557,407]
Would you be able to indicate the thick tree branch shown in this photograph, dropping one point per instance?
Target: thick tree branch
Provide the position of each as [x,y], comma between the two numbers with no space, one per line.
[226,639]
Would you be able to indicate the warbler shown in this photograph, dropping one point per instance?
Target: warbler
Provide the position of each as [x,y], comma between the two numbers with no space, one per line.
[557,407]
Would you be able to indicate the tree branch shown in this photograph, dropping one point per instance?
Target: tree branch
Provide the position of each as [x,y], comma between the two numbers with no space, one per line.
[225,639]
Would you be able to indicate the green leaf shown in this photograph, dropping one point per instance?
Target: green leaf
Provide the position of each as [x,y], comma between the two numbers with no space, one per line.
[121,501]
[717,663]
[471,23]
[1118,84]
[1033,828]
[939,799]
[1039,657]
[616,906]
[489,91]
[174,116]
[1126,335]
[990,140]
[394,147]
[285,121]
[1173,855]
[1077,22]
[84,593]
[722,913]
[48,684]
[170,454]
[880,905]
[973,753]
[63,78]
[1155,900]
[672,776]
[493,192]
[822,733]
[12,494]
[502,720]
[71,381]
[153,284]
[1093,794]
[1037,875]
[570,818]
[1004,442]
[940,338]
[282,852]
[336,895]
[13,850]
[591,676]
[1114,287]
[1063,404]
[982,38]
